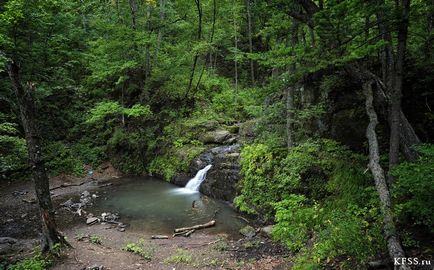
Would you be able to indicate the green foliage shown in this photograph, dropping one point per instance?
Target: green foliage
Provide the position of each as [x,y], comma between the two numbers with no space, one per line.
[12,147]
[95,239]
[108,111]
[295,221]
[314,192]
[139,249]
[177,160]
[181,256]
[37,262]
[413,189]
[60,158]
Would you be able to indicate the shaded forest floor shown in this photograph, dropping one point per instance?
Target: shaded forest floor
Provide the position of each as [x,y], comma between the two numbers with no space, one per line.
[103,245]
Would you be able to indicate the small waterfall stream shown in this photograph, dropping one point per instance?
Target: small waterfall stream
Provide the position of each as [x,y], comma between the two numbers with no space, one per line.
[195,182]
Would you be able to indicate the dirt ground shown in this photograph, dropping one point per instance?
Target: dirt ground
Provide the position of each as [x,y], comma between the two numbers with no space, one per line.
[103,245]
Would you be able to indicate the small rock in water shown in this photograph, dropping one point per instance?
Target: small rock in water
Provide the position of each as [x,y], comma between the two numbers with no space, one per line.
[121,229]
[85,193]
[92,220]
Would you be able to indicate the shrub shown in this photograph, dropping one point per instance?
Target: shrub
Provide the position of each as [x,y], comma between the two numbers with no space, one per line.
[414,188]
[12,147]
[61,159]
[138,248]
[34,263]
[325,208]
[181,256]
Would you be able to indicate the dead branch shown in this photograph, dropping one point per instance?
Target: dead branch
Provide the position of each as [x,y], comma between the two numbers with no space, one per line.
[196,227]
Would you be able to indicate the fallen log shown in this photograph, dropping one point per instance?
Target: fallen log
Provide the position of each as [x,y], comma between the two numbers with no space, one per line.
[184,233]
[159,237]
[196,227]
[188,233]
[68,185]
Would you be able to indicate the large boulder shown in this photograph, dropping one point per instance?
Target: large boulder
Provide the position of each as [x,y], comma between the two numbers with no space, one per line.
[181,179]
[216,136]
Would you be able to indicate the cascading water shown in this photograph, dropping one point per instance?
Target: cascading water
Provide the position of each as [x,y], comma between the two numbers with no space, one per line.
[195,182]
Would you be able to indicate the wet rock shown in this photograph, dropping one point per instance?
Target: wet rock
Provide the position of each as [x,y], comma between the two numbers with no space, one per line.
[181,179]
[222,179]
[107,217]
[92,220]
[248,231]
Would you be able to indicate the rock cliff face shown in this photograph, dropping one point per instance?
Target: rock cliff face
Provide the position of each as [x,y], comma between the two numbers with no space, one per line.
[222,178]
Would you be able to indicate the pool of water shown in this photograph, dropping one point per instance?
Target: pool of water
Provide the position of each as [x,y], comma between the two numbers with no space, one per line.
[157,207]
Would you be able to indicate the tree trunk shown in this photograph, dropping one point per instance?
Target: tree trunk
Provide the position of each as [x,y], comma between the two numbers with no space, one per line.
[50,235]
[290,89]
[236,48]
[396,91]
[199,37]
[161,28]
[249,32]
[148,47]
[289,116]
[133,10]
[391,236]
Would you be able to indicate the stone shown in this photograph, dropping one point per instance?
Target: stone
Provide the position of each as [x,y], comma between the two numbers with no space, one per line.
[267,230]
[181,179]
[233,129]
[8,240]
[9,245]
[221,181]
[92,220]
[216,136]
[247,130]
[248,231]
[68,203]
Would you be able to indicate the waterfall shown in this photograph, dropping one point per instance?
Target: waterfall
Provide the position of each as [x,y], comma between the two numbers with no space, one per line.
[195,182]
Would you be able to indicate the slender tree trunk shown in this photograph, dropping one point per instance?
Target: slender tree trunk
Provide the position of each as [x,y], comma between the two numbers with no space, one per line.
[391,235]
[148,47]
[289,116]
[199,37]
[214,16]
[290,89]
[50,235]
[236,47]
[249,32]
[161,29]
[133,10]
[396,92]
